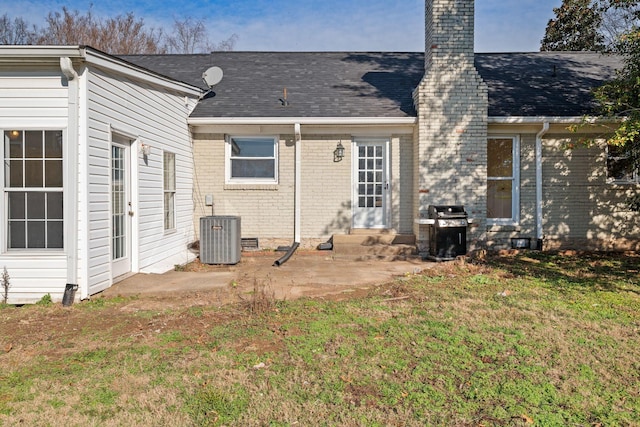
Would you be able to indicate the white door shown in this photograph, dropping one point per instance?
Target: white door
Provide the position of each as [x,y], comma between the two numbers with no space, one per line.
[121,211]
[371,184]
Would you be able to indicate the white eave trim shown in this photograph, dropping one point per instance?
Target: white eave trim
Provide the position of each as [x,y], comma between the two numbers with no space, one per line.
[10,53]
[524,120]
[318,121]
[92,57]
[102,60]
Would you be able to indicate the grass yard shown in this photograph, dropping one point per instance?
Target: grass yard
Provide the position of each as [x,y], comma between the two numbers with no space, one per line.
[530,339]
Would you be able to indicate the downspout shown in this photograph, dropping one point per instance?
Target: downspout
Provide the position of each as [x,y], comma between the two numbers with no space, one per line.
[539,230]
[71,219]
[297,198]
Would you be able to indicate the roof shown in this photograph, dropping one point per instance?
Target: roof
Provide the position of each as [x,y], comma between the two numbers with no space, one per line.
[379,84]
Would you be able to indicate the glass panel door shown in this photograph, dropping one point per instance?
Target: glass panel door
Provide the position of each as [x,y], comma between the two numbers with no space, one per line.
[371,185]
[120,209]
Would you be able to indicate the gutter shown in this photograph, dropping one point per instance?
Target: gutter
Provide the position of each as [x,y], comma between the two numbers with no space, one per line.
[539,231]
[542,119]
[71,213]
[388,121]
[297,198]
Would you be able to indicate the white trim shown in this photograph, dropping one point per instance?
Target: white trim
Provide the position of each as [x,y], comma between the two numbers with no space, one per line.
[298,184]
[174,226]
[227,161]
[635,179]
[386,201]
[41,54]
[383,121]
[538,149]
[515,179]
[71,186]
[545,119]
[102,60]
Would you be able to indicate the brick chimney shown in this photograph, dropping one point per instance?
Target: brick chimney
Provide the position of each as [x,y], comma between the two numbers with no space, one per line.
[452,104]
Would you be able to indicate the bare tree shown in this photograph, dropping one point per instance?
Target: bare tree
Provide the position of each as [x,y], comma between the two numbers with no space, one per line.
[225,45]
[16,32]
[190,36]
[124,34]
[618,18]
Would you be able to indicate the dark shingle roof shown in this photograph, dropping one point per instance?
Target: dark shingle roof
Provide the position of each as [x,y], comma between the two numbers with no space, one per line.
[374,84]
[544,83]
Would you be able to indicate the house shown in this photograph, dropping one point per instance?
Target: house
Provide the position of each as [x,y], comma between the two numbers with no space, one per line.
[98,170]
[306,146]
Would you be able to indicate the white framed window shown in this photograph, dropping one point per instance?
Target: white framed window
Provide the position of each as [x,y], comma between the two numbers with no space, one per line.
[252,159]
[503,180]
[33,189]
[169,185]
[622,165]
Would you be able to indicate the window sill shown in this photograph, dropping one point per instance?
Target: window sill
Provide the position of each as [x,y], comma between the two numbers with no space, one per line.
[497,228]
[30,253]
[248,186]
[623,183]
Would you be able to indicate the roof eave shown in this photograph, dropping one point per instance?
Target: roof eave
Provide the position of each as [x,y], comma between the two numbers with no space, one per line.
[382,121]
[527,120]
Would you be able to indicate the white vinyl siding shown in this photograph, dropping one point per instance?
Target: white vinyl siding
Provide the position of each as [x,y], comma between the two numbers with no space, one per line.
[31,99]
[150,116]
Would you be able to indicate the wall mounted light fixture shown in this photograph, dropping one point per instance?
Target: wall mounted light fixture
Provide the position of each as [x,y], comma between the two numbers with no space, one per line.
[338,153]
[145,149]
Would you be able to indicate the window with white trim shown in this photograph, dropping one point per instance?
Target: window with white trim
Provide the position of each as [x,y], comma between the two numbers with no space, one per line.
[622,165]
[169,174]
[252,160]
[503,180]
[33,189]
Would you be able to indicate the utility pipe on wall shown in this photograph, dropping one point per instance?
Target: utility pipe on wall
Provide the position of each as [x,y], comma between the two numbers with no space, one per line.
[71,189]
[539,225]
[297,197]
[298,183]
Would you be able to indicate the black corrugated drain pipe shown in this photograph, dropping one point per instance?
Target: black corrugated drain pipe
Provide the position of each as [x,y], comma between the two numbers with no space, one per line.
[286,256]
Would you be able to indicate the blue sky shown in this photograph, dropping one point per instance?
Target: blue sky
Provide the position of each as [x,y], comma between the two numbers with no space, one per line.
[312,25]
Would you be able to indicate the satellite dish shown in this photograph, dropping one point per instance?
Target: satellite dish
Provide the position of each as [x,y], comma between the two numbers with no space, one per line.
[212,76]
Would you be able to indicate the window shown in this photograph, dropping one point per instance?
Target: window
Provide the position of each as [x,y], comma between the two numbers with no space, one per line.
[33,172]
[622,165]
[252,159]
[503,204]
[169,173]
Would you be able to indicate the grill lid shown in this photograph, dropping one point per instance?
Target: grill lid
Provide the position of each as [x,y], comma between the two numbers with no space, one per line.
[446,211]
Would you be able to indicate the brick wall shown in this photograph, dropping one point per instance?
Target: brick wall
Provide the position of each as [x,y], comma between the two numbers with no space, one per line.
[581,209]
[267,211]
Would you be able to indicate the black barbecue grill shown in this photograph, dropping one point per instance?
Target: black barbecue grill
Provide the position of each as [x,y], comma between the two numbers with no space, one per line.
[448,234]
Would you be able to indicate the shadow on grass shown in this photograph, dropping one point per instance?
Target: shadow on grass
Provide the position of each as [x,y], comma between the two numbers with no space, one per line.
[589,271]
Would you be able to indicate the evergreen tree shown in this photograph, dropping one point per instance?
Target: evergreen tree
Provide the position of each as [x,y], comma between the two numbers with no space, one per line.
[576,27]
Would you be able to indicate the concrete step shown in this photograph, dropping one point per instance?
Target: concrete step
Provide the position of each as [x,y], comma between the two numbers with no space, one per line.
[376,245]
[368,239]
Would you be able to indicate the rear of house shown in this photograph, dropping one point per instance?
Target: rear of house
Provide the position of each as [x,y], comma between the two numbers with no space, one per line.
[97,178]
[109,165]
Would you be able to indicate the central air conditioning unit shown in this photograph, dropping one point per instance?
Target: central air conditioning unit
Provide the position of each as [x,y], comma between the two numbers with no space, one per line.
[220,240]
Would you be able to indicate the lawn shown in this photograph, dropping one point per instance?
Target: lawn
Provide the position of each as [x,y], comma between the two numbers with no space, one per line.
[528,339]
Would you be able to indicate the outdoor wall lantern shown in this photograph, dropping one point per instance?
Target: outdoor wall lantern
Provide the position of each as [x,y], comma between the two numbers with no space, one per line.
[338,153]
[145,149]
